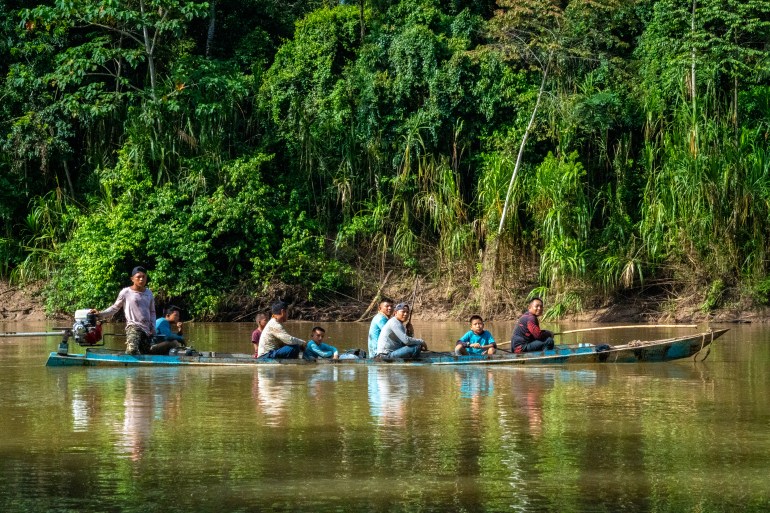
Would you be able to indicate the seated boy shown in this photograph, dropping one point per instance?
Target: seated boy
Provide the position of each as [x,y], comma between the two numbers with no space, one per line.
[261,321]
[166,339]
[317,349]
[477,340]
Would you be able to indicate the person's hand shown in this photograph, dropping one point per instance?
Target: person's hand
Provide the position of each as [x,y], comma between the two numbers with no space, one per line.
[476,345]
[179,327]
[423,345]
[336,356]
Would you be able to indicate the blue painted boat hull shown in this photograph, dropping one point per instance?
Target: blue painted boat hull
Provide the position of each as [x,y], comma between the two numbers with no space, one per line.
[695,346]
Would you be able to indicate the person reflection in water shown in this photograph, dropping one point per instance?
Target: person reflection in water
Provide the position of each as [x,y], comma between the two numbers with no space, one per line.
[474,384]
[271,396]
[146,402]
[528,391]
[388,391]
[137,420]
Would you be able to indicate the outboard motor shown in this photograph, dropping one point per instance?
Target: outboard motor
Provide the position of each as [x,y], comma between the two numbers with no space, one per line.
[86,330]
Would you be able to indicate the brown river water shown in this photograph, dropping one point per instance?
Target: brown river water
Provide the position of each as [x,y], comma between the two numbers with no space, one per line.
[664,437]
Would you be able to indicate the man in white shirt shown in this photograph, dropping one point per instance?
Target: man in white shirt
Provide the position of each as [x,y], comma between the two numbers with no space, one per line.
[275,341]
[394,342]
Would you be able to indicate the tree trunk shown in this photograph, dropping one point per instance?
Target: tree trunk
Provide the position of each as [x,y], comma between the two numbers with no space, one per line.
[489,263]
[148,48]
[521,148]
[361,11]
[212,27]
[69,178]
[119,65]
[487,289]
[694,132]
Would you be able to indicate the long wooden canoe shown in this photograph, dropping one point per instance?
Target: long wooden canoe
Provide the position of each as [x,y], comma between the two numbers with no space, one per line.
[695,346]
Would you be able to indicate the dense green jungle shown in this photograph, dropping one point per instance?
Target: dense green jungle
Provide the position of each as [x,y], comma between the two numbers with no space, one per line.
[593,152]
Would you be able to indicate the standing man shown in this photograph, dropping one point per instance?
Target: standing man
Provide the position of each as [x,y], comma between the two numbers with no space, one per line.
[527,335]
[394,342]
[385,310]
[138,306]
[275,341]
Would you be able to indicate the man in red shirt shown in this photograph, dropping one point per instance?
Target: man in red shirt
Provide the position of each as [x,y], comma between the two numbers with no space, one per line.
[527,335]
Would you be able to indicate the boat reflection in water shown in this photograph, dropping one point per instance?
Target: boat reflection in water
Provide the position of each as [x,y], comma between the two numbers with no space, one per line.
[672,437]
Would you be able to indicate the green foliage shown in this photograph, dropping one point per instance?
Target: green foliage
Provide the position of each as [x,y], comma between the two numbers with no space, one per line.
[564,304]
[760,291]
[363,123]
[197,248]
[132,136]
[198,123]
[561,209]
[714,296]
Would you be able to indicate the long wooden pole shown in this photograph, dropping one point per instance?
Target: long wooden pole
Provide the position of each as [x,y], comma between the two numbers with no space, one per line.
[33,334]
[632,326]
[629,327]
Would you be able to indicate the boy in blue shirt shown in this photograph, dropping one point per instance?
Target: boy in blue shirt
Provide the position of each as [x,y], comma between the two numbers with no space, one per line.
[477,340]
[317,349]
[167,339]
[163,325]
